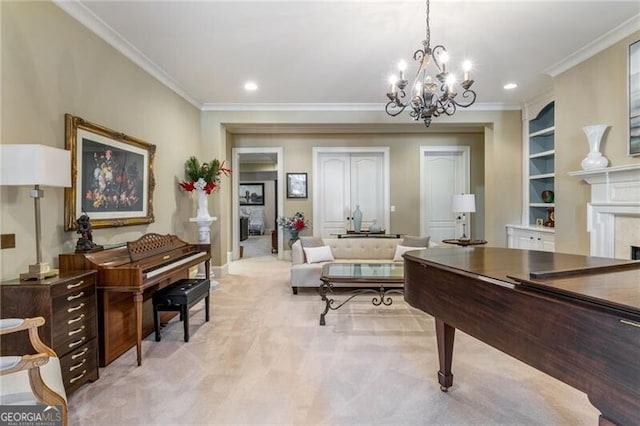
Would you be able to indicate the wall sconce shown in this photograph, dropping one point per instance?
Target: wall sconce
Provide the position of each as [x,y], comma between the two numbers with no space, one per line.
[35,165]
[463,203]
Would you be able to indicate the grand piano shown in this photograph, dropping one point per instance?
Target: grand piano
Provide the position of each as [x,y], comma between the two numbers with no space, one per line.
[576,318]
[127,277]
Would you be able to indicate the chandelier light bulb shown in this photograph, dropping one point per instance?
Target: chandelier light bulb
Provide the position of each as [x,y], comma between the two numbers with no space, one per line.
[402,66]
[451,81]
[444,58]
[466,67]
[392,83]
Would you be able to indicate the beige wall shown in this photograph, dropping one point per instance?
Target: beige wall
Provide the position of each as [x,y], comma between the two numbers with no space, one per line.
[593,92]
[502,167]
[404,150]
[52,65]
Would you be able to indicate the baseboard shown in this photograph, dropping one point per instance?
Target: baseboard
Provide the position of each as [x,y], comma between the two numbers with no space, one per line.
[220,271]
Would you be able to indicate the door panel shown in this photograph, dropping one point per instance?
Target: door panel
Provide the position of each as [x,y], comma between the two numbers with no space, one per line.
[334,203]
[445,174]
[366,187]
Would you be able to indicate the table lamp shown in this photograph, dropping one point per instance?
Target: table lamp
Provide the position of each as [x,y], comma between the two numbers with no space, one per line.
[35,165]
[463,203]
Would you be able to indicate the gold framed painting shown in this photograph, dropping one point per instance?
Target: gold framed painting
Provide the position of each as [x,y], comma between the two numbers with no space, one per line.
[111,176]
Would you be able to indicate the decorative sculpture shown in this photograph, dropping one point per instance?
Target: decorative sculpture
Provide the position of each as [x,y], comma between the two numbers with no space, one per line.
[85,242]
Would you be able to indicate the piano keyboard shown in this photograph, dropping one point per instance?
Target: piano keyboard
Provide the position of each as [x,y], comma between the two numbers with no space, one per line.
[175,264]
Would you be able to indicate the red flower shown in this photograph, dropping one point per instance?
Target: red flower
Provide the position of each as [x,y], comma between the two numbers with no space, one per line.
[210,187]
[188,186]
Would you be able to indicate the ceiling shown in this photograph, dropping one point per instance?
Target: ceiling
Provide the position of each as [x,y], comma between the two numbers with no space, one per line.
[339,54]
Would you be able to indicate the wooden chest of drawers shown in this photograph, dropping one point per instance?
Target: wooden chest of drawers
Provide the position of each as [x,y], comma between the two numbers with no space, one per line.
[68,305]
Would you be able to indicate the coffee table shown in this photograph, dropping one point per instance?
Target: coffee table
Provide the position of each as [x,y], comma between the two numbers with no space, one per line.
[381,279]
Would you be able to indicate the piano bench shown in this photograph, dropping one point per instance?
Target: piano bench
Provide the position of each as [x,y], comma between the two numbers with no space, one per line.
[180,296]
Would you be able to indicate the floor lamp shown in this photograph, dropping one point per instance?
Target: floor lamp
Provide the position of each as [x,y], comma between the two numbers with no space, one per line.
[463,203]
[35,165]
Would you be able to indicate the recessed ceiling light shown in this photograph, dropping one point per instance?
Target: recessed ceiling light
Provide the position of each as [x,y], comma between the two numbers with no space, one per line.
[510,86]
[250,86]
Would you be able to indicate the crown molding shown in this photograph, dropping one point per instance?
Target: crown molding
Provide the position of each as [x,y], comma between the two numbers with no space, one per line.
[598,45]
[87,18]
[333,107]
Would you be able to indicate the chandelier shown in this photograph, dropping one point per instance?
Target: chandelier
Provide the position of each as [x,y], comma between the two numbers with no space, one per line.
[429,97]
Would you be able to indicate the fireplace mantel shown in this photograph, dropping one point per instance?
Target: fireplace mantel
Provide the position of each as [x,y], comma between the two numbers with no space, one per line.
[615,192]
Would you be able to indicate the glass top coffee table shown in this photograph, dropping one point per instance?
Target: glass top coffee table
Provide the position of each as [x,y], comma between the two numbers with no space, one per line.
[381,279]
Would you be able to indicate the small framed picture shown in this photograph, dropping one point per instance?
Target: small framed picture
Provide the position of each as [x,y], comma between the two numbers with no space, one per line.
[539,221]
[251,194]
[296,185]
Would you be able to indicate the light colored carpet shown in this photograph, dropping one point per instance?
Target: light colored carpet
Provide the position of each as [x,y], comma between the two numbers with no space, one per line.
[257,246]
[264,360]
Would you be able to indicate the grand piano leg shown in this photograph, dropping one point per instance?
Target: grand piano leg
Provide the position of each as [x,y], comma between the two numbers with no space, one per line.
[137,301]
[445,335]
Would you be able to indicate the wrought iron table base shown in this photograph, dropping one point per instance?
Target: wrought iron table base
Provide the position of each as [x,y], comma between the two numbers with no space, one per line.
[382,297]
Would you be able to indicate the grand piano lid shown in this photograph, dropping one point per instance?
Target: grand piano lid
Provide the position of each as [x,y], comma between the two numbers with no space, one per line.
[613,283]
[614,287]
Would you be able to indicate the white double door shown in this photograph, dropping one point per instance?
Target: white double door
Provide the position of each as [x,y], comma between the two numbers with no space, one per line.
[345,180]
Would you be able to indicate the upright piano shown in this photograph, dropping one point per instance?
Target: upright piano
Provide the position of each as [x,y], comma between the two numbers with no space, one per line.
[127,277]
[576,318]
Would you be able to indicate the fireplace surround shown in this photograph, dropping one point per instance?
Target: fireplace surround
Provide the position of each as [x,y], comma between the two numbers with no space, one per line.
[615,204]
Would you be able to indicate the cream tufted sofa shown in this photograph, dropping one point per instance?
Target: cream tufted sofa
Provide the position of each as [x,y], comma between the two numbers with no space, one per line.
[345,250]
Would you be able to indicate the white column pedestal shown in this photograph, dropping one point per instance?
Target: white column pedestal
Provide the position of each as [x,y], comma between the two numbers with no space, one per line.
[204,237]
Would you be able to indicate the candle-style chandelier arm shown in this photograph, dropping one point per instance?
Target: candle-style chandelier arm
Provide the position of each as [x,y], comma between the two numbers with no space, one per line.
[395,107]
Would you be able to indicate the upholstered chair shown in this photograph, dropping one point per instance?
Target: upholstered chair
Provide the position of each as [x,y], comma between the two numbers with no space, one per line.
[31,379]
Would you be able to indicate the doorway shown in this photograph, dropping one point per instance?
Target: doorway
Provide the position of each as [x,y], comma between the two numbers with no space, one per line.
[444,171]
[262,169]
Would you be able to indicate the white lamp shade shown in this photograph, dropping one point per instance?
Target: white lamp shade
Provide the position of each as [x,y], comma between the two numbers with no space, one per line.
[463,203]
[30,164]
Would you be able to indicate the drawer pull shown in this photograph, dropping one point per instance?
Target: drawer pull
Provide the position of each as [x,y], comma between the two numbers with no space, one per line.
[76,331]
[70,298]
[78,355]
[78,377]
[75,308]
[78,284]
[77,342]
[78,365]
[71,321]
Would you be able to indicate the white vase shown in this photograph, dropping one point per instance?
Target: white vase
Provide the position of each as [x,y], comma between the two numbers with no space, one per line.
[594,160]
[357,219]
[203,204]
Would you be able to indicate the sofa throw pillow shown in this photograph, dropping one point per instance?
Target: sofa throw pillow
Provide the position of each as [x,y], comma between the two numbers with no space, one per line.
[311,242]
[411,241]
[400,250]
[318,254]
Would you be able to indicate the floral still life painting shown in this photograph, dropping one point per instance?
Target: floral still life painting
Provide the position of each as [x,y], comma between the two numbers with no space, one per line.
[112,176]
[115,181]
